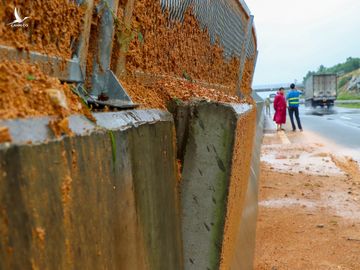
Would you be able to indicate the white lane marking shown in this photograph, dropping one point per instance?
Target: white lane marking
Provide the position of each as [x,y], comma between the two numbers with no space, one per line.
[284,138]
[345,117]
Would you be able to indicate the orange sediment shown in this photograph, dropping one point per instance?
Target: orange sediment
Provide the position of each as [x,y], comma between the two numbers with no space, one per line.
[160,46]
[26,91]
[53,26]
[158,92]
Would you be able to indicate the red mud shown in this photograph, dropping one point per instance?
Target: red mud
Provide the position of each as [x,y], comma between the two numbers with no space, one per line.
[53,27]
[26,91]
[154,45]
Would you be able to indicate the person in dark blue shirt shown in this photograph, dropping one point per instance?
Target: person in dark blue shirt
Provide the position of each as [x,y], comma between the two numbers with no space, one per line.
[293,98]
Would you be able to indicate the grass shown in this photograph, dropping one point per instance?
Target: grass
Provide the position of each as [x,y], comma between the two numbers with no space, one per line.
[348,96]
[349,106]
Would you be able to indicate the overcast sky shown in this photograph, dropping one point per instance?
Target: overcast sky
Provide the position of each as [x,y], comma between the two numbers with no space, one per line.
[295,36]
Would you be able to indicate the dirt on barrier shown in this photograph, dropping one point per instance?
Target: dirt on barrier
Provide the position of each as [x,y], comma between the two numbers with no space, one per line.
[240,174]
[4,135]
[156,45]
[52,28]
[158,92]
[26,91]
[245,85]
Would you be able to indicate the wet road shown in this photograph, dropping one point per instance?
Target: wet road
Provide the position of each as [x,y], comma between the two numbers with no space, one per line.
[340,125]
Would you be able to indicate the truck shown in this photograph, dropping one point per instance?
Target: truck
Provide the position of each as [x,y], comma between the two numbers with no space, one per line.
[321,90]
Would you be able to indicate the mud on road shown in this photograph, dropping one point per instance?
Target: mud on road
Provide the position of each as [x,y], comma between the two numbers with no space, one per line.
[309,205]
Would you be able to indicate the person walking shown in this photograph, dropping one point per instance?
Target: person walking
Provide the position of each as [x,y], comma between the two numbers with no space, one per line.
[267,106]
[280,109]
[293,98]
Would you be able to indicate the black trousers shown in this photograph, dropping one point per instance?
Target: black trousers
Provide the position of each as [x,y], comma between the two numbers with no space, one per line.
[295,110]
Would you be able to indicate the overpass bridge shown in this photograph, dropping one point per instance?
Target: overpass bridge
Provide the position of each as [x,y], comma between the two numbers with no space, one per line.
[275,87]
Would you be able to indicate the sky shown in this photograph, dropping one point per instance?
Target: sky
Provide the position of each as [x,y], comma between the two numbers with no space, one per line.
[295,36]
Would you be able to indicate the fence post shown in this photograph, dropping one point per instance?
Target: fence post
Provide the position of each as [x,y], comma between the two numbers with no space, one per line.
[101,62]
[120,69]
[83,47]
[253,71]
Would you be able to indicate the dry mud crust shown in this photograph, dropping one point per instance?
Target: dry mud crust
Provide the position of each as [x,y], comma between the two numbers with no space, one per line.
[53,27]
[161,46]
[4,135]
[158,92]
[307,222]
[246,81]
[25,91]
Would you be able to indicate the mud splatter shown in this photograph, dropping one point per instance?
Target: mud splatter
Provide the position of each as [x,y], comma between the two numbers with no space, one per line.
[5,135]
[240,174]
[158,92]
[180,49]
[53,26]
[25,91]
[349,166]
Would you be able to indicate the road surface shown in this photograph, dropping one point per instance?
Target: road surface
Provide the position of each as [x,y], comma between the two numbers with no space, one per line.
[309,194]
[340,125]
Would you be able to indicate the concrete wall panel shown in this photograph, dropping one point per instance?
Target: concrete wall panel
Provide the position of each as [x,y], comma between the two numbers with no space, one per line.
[245,243]
[98,200]
[214,182]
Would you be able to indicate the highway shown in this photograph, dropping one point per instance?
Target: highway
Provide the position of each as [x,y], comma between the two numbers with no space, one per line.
[339,125]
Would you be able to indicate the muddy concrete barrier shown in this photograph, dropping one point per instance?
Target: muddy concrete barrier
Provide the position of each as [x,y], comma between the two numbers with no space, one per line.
[245,241]
[215,176]
[109,196]
[98,200]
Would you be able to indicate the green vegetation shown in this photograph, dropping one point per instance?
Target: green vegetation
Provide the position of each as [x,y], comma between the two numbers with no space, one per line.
[187,76]
[124,33]
[30,77]
[113,146]
[344,80]
[350,106]
[349,65]
[348,96]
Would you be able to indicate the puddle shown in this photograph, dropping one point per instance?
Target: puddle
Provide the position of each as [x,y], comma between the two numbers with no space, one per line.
[287,202]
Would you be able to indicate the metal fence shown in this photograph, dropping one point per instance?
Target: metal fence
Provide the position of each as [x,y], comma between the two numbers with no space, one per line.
[228,21]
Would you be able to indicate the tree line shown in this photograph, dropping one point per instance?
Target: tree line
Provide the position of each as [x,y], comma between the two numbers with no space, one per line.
[349,65]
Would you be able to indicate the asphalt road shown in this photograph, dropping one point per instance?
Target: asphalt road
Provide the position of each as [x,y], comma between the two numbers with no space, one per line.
[340,125]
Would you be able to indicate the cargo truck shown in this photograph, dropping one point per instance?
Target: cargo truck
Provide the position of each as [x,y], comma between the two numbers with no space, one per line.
[321,90]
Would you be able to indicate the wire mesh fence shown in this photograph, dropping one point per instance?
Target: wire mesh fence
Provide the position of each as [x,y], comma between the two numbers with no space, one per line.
[225,19]
[227,23]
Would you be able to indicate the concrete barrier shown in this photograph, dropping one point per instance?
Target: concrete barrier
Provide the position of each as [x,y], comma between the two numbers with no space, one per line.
[107,197]
[245,243]
[216,170]
[97,200]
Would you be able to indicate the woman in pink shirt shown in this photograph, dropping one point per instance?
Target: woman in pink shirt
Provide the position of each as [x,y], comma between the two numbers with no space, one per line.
[280,109]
